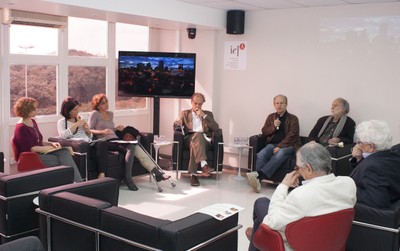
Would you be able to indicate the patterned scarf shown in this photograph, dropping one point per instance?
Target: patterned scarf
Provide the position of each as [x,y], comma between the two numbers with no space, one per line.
[338,128]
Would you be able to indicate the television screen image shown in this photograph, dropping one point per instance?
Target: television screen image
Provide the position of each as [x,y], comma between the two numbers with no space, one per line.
[156,74]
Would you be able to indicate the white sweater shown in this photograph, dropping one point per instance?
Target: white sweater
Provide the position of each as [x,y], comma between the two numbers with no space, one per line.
[318,196]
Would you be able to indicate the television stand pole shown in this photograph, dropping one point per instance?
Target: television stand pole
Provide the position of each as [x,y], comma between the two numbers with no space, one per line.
[156,115]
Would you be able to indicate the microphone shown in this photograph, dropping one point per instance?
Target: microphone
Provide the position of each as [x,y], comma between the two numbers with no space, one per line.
[278,118]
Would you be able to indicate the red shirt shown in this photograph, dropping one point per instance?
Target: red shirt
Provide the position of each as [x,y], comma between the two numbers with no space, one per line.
[26,137]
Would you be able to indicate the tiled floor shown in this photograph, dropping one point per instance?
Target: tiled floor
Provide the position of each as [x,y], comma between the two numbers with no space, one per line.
[183,200]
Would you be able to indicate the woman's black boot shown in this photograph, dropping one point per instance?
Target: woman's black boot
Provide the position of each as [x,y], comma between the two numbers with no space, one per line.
[159,176]
[131,185]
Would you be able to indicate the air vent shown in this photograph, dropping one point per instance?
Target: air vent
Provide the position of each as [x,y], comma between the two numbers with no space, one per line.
[34,19]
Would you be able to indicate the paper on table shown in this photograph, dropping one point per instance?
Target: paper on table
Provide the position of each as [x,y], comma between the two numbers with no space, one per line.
[124,142]
[221,211]
[57,149]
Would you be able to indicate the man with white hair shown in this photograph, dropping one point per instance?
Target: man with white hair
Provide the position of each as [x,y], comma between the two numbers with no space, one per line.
[377,168]
[321,193]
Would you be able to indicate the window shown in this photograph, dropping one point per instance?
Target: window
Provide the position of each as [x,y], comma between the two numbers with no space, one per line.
[84,82]
[35,81]
[27,78]
[135,38]
[87,37]
[24,39]
[86,62]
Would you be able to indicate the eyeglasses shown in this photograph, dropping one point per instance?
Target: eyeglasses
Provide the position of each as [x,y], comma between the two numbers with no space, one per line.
[104,102]
[296,168]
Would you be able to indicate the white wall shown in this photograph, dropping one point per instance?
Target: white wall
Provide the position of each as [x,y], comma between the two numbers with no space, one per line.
[286,55]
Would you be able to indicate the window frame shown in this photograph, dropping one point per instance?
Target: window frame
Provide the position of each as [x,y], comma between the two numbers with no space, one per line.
[63,61]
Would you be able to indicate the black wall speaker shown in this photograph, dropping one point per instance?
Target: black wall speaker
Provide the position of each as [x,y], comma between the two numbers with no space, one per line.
[235,22]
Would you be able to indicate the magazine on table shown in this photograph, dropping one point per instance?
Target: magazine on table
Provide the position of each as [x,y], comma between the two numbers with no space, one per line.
[221,211]
[57,149]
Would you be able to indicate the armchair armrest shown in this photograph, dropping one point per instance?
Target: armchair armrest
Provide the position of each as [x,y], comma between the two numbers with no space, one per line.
[66,204]
[106,189]
[142,228]
[257,142]
[146,138]
[197,229]
[17,215]
[218,150]
[374,229]
[339,153]
[34,181]
[2,162]
[382,217]
[217,137]
[177,149]
[79,146]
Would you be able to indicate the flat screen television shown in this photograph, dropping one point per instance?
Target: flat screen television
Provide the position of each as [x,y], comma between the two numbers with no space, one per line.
[156,74]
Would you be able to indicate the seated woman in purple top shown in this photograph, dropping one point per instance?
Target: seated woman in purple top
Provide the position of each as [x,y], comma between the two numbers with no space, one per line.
[101,124]
[28,138]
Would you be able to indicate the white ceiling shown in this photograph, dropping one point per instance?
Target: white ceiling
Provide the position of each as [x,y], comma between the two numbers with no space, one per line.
[254,5]
[169,15]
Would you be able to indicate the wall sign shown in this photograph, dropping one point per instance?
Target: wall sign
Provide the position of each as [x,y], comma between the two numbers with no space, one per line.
[235,56]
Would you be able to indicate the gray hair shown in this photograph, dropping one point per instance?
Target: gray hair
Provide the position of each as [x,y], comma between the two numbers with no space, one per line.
[345,104]
[317,156]
[282,96]
[375,132]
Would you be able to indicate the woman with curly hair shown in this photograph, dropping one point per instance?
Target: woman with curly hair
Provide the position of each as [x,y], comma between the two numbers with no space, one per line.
[28,138]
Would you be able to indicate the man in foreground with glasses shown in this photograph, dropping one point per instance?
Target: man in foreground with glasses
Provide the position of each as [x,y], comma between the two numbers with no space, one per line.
[377,168]
[320,193]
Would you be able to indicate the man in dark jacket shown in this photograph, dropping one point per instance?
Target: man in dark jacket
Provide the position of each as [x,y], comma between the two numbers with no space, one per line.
[281,130]
[377,168]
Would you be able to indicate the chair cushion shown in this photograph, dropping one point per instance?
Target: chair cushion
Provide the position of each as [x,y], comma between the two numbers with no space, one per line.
[142,228]
[78,208]
[187,232]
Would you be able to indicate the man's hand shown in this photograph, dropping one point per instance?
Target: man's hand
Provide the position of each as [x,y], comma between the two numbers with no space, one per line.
[277,123]
[199,112]
[333,141]
[178,122]
[357,153]
[291,179]
[276,149]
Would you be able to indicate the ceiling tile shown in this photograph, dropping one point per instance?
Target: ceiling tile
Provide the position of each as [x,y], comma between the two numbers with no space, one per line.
[248,5]
[270,4]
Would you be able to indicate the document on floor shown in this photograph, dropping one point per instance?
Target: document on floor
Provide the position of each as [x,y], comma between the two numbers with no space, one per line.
[221,211]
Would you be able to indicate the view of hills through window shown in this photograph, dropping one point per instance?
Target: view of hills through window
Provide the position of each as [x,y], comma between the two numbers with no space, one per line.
[40,82]
[35,63]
